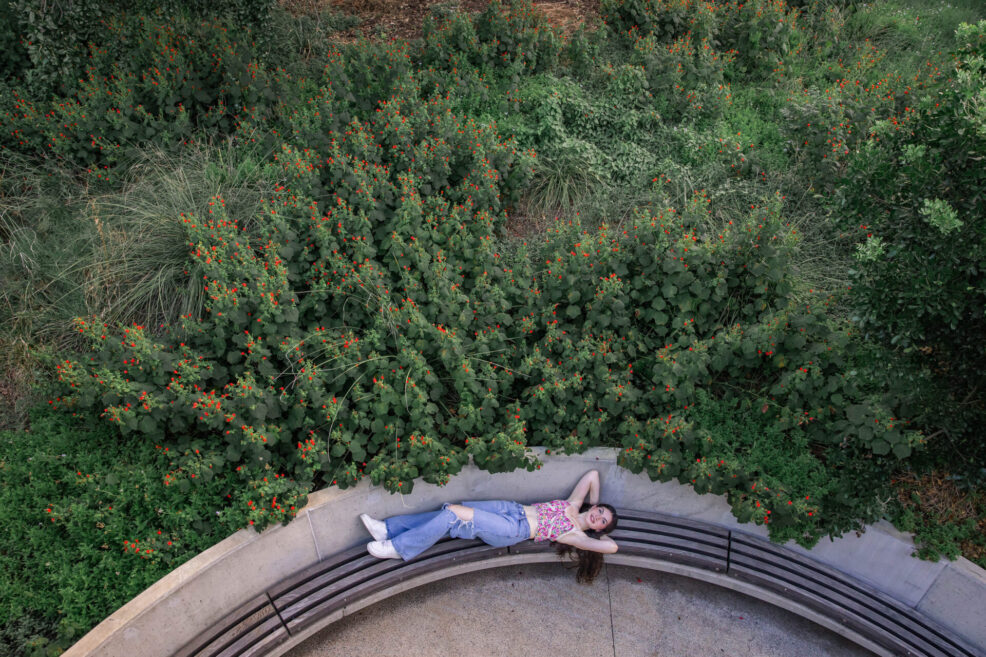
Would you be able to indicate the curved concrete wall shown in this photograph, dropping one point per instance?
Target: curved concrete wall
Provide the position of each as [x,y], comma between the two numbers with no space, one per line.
[199,593]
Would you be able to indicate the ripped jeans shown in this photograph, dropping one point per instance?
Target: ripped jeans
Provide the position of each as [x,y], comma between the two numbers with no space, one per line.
[498,523]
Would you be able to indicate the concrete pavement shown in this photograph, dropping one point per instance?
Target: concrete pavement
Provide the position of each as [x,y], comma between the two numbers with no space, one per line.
[538,609]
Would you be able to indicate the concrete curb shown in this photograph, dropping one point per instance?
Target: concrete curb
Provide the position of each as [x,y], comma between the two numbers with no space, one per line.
[180,605]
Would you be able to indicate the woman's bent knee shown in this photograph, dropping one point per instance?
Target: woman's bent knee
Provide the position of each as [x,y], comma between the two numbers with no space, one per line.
[463,513]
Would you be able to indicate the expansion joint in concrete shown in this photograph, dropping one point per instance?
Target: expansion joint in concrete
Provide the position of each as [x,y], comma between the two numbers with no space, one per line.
[609,593]
[311,528]
[277,611]
[917,605]
[729,550]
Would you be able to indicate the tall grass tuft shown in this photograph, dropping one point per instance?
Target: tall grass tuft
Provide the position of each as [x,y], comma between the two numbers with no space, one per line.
[565,177]
[121,255]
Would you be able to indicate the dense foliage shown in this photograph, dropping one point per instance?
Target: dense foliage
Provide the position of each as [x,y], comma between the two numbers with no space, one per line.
[915,196]
[728,205]
[78,520]
[369,323]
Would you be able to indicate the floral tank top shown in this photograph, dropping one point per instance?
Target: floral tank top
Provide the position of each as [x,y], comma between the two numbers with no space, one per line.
[552,521]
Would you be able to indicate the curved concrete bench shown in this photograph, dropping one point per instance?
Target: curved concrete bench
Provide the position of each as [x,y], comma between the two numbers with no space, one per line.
[262,594]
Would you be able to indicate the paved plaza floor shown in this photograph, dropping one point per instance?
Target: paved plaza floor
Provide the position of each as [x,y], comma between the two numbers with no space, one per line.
[538,609]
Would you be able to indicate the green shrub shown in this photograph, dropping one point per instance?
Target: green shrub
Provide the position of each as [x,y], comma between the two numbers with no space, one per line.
[90,520]
[758,34]
[837,485]
[763,34]
[909,197]
[13,55]
[72,251]
[53,38]
[334,296]
[155,81]
[353,341]
[514,38]
[666,20]
[564,177]
[684,77]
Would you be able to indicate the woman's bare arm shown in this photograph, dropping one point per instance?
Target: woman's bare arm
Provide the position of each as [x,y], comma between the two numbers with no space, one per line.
[603,544]
[588,486]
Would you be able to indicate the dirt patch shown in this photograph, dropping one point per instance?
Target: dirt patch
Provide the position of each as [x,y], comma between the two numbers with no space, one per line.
[523,224]
[403,19]
[567,15]
[938,498]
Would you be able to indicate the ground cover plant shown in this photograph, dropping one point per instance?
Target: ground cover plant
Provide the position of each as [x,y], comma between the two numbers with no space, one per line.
[239,268]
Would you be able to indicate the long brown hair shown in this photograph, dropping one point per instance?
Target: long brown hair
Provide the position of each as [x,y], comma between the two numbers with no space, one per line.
[587,562]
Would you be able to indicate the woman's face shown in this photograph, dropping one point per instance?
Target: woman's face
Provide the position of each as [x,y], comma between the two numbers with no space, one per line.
[598,517]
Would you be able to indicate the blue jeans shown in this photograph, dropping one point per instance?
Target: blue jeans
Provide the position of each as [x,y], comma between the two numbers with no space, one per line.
[498,523]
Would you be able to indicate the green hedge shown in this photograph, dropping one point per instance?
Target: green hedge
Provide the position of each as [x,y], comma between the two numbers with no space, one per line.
[90,520]
[911,198]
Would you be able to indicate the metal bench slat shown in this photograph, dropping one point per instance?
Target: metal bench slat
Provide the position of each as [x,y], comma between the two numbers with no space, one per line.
[270,632]
[803,568]
[348,592]
[861,614]
[666,519]
[661,529]
[366,564]
[244,620]
[671,548]
[317,569]
[364,568]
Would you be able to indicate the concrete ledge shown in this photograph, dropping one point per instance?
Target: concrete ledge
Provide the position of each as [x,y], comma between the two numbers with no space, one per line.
[174,610]
[958,599]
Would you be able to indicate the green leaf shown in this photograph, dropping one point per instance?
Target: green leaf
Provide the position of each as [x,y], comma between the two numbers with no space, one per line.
[794,342]
[358,451]
[857,414]
[902,450]
[881,447]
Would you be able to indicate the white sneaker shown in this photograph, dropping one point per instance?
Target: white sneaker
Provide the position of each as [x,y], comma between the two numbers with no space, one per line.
[382,550]
[377,528]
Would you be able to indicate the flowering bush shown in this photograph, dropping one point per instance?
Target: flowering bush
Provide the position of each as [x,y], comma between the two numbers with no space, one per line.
[354,340]
[49,42]
[155,81]
[92,519]
[666,20]
[917,191]
[514,37]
